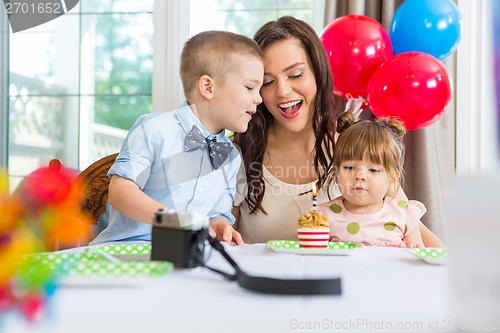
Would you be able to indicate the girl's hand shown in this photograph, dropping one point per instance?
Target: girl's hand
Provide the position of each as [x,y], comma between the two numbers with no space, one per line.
[413,239]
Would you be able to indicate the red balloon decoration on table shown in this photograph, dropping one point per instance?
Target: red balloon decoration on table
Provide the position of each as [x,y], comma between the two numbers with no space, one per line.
[48,185]
[356,46]
[412,86]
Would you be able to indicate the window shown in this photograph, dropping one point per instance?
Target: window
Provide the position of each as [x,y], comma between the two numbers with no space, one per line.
[77,83]
[247,16]
[239,16]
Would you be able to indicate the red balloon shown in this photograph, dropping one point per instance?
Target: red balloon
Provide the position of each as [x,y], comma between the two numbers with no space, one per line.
[412,86]
[356,46]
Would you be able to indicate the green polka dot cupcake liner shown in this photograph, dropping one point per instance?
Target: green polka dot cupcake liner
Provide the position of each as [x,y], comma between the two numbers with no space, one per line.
[100,261]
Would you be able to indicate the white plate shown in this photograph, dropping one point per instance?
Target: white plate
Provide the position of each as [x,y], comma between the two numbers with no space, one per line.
[105,281]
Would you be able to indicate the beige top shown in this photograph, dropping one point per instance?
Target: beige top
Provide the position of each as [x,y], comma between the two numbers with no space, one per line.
[284,204]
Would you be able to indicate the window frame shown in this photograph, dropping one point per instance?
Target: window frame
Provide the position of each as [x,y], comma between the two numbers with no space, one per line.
[171,30]
[4,78]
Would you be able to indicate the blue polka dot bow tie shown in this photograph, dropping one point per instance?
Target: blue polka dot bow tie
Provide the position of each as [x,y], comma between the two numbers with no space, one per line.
[218,151]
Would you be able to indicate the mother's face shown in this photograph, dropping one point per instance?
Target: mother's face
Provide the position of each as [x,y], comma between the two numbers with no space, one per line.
[289,85]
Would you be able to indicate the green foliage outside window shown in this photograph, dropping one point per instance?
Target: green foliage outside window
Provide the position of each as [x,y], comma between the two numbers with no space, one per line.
[123,67]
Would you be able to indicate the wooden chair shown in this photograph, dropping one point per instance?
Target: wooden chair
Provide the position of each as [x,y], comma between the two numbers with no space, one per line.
[96,182]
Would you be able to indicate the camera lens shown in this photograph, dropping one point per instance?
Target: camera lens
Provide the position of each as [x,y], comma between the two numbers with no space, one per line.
[159,217]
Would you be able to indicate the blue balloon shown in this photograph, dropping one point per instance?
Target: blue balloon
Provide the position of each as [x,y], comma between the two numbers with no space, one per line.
[430,26]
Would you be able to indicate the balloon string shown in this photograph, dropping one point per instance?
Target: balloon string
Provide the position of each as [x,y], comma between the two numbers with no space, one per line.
[356,103]
[349,102]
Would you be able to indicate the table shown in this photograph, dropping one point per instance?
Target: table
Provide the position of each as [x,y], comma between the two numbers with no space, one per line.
[384,289]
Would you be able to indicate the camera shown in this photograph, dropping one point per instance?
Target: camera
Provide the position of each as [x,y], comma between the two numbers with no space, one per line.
[179,237]
[182,237]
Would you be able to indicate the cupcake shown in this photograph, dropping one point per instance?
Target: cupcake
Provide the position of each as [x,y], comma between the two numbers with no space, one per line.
[313,230]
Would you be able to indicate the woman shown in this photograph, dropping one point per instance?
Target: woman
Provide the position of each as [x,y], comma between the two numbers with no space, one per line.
[289,144]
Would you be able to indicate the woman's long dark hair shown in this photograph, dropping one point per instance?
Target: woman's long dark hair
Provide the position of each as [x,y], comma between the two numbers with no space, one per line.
[327,108]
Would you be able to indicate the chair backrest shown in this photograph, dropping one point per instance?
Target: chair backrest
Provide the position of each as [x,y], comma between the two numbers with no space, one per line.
[96,182]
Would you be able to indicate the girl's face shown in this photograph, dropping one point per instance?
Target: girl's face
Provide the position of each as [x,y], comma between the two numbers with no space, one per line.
[289,85]
[363,185]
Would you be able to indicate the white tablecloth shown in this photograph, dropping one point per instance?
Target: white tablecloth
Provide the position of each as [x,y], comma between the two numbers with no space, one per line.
[383,290]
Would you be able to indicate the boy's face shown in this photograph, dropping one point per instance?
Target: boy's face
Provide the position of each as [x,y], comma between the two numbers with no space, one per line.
[236,96]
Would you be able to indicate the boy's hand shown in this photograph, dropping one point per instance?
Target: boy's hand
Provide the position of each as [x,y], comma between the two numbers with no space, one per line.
[224,231]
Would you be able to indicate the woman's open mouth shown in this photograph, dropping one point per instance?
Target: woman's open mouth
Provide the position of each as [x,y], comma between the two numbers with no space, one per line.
[291,110]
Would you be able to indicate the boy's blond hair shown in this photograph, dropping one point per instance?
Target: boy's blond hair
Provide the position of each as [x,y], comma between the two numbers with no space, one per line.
[210,53]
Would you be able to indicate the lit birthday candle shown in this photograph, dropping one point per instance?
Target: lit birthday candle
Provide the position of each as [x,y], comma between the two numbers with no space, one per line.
[314,196]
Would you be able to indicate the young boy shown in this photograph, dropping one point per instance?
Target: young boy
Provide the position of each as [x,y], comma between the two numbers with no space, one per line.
[182,159]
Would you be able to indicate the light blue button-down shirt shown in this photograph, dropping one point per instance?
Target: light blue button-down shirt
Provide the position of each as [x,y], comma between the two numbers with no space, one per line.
[153,157]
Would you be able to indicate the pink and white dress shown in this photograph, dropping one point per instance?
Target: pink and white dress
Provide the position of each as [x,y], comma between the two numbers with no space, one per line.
[387,227]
